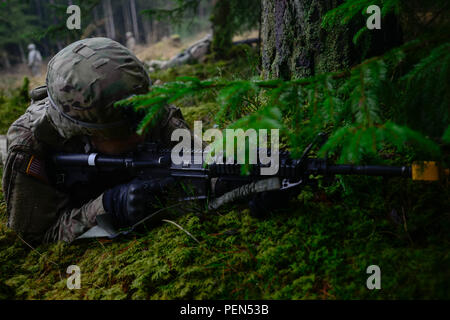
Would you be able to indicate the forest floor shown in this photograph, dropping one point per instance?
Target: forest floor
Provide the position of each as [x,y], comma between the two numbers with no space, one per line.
[318,246]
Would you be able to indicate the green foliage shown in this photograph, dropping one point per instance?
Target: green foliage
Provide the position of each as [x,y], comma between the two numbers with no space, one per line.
[427,86]
[344,13]
[183,15]
[12,105]
[241,15]
[229,17]
[446,136]
[176,13]
[17,24]
[318,247]
[354,106]
[59,29]
[223,29]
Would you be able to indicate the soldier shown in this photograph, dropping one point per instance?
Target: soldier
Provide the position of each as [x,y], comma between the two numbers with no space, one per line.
[131,41]
[34,59]
[74,113]
[195,52]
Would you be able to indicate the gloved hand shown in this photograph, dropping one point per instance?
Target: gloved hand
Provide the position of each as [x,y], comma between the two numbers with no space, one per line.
[130,203]
[263,203]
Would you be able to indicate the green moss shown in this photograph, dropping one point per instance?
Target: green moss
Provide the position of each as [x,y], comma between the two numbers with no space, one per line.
[296,46]
[204,112]
[318,246]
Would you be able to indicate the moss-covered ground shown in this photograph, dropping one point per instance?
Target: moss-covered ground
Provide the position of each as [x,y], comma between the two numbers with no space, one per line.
[318,245]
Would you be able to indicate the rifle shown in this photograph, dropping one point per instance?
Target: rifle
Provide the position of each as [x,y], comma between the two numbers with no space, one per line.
[216,183]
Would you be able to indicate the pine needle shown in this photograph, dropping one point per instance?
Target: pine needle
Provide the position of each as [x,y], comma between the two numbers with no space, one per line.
[181,228]
[52,262]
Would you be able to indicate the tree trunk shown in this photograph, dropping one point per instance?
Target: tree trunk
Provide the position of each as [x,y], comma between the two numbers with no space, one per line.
[126,15]
[134,19]
[222,32]
[154,32]
[96,20]
[293,43]
[147,29]
[38,9]
[55,21]
[111,20]
[6,62]
[105,12]
[22,53]
[110,29]
[295,46]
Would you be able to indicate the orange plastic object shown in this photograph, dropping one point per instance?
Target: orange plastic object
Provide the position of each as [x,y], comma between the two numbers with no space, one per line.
[425,171]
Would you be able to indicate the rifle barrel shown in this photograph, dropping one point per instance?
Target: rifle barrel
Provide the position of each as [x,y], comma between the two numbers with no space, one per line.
[313,166]
[98,160]
[369,170]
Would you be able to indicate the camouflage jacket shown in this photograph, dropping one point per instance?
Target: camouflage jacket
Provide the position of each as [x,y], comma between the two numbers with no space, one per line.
[36,209]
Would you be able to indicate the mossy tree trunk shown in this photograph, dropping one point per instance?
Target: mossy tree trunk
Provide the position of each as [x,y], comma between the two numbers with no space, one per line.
[294,45]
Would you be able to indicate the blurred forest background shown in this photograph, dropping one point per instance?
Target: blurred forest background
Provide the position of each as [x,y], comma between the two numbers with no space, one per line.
[175,23]
[44,23]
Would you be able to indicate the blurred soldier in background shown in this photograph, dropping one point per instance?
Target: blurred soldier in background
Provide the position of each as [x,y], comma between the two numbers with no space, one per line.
[131,41]
[34,59]
[195,52]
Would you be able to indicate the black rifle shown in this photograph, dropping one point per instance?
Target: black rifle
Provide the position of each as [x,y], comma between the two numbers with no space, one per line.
[218,183]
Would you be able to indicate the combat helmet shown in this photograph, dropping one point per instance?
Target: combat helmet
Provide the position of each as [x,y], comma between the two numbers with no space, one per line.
[85,79]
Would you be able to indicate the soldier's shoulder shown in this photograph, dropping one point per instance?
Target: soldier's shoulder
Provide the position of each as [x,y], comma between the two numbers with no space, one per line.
[20,134]
[26,153]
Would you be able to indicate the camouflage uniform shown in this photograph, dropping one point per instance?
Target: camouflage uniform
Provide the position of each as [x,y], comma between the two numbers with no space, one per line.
[61,122]
[131,41]
[34,59]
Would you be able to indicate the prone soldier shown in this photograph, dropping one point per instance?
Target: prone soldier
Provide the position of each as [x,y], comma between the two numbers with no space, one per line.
[74,113]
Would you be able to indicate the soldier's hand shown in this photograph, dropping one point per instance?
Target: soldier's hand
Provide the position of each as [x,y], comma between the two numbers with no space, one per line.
[261,204]
[130,203]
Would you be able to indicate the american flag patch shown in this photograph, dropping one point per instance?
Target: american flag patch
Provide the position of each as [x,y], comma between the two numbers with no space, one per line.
[36,168]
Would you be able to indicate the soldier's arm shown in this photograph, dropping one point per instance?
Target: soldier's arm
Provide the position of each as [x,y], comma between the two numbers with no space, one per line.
[36,210]
[74,222]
